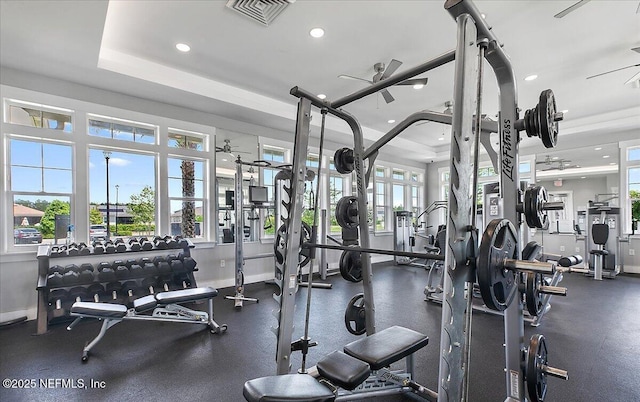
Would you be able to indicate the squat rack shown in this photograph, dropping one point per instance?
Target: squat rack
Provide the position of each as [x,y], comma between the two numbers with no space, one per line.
[475,43]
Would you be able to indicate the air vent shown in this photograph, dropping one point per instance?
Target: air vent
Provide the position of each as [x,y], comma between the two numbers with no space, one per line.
[263,11]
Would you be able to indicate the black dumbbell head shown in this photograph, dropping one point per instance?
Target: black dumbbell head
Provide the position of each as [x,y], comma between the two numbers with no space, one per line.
[189,264]
[122,272]
[71,267]
[56,268]
[177,267]
[107,275]
[149,269]
[163,267]
[86,267]
[80,292]
[104,265]
[54,280]
[85,276]
[70,278]
[143,260]
[136,271]
[146,245]
[58,294]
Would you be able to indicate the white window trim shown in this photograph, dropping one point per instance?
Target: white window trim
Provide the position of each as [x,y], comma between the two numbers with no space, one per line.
[623,173]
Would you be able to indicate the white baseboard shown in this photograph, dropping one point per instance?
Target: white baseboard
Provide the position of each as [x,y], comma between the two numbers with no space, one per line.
[632,269]
[12,315]
[230,282]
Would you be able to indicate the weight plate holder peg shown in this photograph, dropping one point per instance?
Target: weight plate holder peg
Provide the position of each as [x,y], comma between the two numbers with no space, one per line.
[535,289]
[542,120]
[305,253]
[343,160]
[354,315]
[351,266]
[347,212]
[537,369]
[496,264]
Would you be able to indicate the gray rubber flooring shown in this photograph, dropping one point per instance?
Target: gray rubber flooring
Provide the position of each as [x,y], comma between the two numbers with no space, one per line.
[594,333]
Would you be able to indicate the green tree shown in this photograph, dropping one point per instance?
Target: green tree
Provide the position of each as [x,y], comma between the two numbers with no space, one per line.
[95,217]
[143,207]
[47,224]
[635,204]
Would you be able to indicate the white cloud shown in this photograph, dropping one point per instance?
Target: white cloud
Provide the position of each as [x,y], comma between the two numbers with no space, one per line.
[119,162]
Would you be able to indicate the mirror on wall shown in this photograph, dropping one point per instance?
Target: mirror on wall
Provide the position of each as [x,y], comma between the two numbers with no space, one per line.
[229,147]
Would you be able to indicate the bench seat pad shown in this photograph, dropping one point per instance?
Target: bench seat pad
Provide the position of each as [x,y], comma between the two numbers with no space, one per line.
[105,310]
[387,346]
[186,295]
[343,370]
[145,303]
[287,388]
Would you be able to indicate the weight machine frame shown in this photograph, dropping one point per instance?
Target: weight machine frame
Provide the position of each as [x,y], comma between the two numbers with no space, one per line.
[476,42]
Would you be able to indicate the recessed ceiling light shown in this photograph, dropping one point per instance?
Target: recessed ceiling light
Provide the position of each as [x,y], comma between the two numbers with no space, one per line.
[441,139]
[583,177]
[577,166]
[391,121]
[317,32]
[225,160]
[530,77]
[605,156]
[183,47]
[598,148]
[322,96]
[418,86]
[555,157]
[565,111]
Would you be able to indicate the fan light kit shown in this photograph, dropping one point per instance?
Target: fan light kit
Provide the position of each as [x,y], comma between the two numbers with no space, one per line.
[183,47]
[322,96]
[530,77]
[391,121]
[317,32]
[598,148]
[605,156]
[418,86]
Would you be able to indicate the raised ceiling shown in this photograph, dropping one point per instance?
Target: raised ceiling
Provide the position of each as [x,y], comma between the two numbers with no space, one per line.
[244,70]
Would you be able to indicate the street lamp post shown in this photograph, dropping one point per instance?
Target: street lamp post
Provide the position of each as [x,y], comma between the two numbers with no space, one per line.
[107,155]
[117,192]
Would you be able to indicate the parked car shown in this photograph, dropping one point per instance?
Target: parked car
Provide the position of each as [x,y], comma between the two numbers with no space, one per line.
[97,232]
[27,236]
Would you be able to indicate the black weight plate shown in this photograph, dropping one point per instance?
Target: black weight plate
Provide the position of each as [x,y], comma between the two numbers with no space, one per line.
[354,315]
[532,293]
[534,200]
[343,160]
[536,378]
[497,285]
[351,266]
[548,125]
[347,212]
[305,253]
[532,251]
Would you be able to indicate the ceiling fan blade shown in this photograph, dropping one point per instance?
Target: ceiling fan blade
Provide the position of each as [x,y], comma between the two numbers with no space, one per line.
[219,149]
[387,96]
[414,81]
[351,77]
[613,71]
[571,8]
[391,68]
[636,49]
[636,77]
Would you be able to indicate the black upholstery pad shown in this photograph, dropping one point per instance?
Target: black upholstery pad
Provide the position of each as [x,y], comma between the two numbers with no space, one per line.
[287,388]
[145,303]
[106,310]
[186,295]
[343,370]
[387,346]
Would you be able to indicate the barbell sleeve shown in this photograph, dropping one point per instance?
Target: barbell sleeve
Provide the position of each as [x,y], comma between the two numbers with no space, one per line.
[531,266]
[553,290]
[555,372]
[553,206]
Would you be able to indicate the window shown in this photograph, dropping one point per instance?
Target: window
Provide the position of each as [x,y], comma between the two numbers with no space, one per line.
[186,197]
[398,197]
[39,116]
[634,192]
[122,130]
[179,139]
[131,193]
[41,184]
[380,224]
[312,162]
[397,174]
[380,172]
[336,189]
[277,155]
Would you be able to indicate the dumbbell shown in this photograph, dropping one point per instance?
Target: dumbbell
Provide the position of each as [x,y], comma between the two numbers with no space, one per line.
[162,265]
[109,247]
[150,285]
[182,281]
[121,247]
[171,242]
[121,270]
[113,292]
[189,264]
[71,276]
[85,273]
[135,268]
[160,243]
[106,272]
[56,297]
[165,282]
[177,267]
[570,261]
[56,268]
[55,280]
[146,244]
[72,249]
[182,242]
[134,244]
[96,291]
[79,293]
[130,290]
[149,269]
[83,249]
[98,247]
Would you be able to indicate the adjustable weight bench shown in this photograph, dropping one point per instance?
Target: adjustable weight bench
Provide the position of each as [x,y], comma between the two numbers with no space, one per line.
[166,308]
[361,371]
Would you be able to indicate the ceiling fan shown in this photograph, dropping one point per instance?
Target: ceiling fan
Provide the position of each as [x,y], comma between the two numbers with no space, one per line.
[227,148]
[384,73]
[448,110]
[555,164]
[635,77]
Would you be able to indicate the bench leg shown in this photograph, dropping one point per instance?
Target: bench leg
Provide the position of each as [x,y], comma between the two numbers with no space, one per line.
[106,324]
[214,326]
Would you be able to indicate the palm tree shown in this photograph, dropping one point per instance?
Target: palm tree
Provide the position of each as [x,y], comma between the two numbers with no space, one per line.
[188,223]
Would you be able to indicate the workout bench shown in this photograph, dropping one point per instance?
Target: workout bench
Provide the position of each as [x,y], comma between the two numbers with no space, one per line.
[361,371]
[166,308]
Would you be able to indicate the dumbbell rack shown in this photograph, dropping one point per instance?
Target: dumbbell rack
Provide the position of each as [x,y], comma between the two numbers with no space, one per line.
[45,260]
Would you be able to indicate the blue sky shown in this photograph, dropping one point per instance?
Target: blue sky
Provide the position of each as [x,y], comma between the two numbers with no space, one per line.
[131,172]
